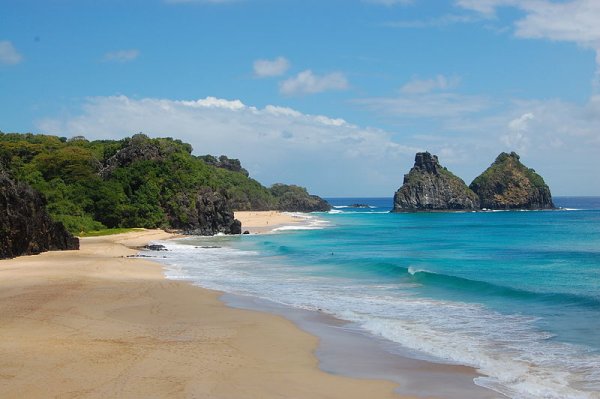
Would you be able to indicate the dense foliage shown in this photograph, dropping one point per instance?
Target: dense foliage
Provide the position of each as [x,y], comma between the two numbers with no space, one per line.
[133,182]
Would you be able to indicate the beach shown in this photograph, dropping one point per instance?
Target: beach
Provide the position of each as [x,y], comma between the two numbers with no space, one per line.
[260,222]
[95,323]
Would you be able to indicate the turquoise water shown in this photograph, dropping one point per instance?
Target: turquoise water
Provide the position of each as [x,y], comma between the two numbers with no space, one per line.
[514,294]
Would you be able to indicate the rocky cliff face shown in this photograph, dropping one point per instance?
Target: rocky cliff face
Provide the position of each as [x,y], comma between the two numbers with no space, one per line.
[508,184]
[206,213]
[25,226]
[430,187]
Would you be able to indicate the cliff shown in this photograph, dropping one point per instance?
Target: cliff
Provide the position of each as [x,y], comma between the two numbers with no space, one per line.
[430,187]
[508,184]
[25,226]
[205,213]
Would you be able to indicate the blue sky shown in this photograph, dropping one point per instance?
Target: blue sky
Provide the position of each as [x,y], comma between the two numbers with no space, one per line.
[333,95]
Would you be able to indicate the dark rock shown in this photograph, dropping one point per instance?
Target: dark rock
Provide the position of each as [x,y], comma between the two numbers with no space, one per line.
[155,247]
[25,226]
[292,198]
[430,187]
[508,184]
[359,206]
[246,232]
[205,213]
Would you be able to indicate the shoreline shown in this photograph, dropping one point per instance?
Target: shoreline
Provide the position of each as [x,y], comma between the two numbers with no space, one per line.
[346,349]
[266,222]
[93,323]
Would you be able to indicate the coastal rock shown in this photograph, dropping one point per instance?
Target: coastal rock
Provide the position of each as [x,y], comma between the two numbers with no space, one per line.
[292,198]
[508,184]
[206,213]
[25,226]
[430,187]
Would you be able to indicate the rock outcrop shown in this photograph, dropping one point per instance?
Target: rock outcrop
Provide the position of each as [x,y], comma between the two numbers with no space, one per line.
[508,184]
[292,198]
[206,213]
[25,226]
[430,187]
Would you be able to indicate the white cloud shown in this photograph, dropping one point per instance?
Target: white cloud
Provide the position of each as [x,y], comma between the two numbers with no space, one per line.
[426,105]
[8,54]
[576,21]
[517,138]
[122,55]
[307,82]
[268,68]
[329,155]
[440,82]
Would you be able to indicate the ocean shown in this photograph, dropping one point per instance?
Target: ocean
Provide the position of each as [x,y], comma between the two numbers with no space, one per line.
[515,294]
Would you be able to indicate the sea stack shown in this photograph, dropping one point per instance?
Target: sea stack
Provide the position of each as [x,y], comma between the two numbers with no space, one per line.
[508,184]
[431,187]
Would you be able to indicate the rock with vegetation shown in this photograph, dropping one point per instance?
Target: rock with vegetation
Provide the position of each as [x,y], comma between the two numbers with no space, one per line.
[138,182]
[430,187]
[291,198]
[224,162]
[508,184]
[207,212]
[25,226]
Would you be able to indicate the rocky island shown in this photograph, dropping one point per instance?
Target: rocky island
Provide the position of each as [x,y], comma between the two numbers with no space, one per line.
[431,187]
[506,184]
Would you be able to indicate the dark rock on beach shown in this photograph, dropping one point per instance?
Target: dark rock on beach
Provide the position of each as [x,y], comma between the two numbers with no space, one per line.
[25,226]
[155,247]
[431,187]
[508,184]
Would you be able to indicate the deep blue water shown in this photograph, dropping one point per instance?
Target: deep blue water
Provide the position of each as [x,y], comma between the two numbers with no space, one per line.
[514,294]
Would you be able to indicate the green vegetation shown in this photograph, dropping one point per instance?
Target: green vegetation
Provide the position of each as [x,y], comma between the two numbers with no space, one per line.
[133,182]
[508,184]
[107,232]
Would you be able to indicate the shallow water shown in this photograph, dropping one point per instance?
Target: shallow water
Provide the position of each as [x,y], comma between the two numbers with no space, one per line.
[515,295]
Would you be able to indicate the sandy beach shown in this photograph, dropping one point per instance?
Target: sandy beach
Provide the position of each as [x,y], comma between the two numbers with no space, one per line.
[96,324]
[260,222]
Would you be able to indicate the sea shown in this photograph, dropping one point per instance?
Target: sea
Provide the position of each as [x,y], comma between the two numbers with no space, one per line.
[513,294]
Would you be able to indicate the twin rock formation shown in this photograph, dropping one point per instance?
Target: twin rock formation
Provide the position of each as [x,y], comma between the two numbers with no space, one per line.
[506,184]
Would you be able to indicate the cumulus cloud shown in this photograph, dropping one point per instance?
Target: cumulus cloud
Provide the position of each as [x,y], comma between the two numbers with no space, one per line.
[329,155]
[269,68]
[440,82]
[516,137]
[306,82]
[9,54]
[122,55]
